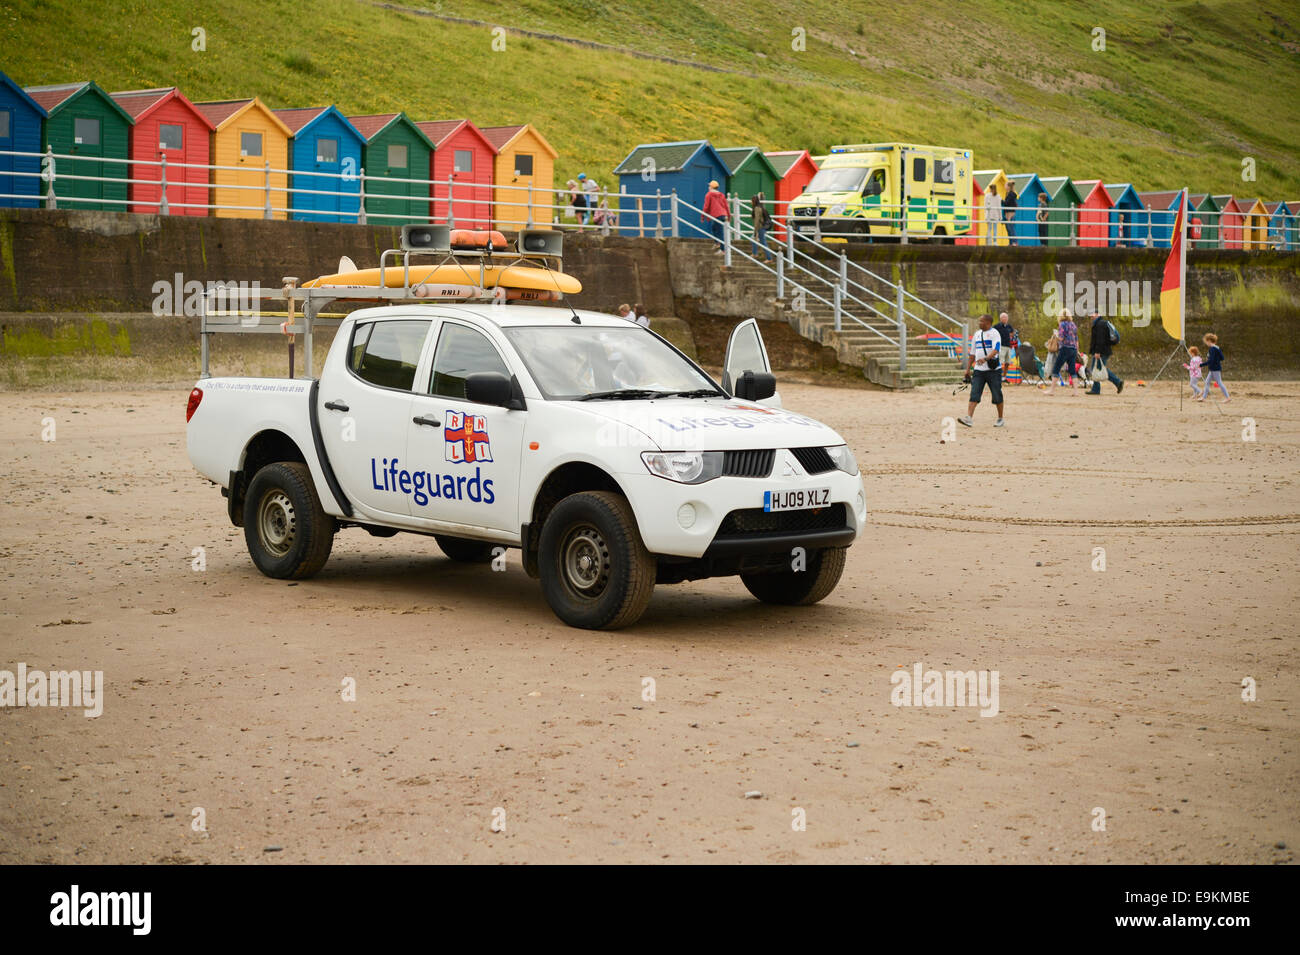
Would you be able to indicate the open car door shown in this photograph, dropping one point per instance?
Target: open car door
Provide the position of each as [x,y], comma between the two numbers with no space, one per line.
[746,352]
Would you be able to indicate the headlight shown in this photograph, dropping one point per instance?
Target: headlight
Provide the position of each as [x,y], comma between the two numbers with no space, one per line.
[843,458]
[684,467]
[836,210]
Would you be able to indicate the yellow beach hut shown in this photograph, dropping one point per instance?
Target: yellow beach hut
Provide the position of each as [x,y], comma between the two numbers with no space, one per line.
[524,158]
[249,139]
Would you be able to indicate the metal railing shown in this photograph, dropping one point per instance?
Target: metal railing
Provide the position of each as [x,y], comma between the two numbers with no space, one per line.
[163,186]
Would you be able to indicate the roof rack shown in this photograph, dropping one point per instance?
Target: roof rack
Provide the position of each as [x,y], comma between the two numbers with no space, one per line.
[469,251]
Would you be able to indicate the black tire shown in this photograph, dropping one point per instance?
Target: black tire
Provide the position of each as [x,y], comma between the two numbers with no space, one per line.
[289,535]
[596,573]
[465,550]
[798,588]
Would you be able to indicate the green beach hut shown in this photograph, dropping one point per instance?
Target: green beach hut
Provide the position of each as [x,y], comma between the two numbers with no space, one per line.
[751,172]
[1063,197]
[395,149]
[84,122]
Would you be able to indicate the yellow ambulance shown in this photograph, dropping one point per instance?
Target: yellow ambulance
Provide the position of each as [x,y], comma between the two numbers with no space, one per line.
[871,189]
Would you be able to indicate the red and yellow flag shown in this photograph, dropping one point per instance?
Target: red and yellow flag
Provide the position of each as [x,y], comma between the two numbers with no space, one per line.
[1173,290]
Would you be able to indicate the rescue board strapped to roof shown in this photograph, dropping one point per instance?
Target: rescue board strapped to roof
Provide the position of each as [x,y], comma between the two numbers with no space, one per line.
[469,265]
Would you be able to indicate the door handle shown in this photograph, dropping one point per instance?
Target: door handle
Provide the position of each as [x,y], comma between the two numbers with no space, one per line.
[335,405]
[429,420]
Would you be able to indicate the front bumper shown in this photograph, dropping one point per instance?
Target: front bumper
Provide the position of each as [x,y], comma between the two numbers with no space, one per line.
[722,517]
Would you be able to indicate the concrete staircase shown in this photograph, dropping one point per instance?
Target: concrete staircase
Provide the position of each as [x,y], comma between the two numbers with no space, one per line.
[854,345]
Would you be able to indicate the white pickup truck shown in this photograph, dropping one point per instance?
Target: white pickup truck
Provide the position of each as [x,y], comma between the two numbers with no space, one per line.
[609,458]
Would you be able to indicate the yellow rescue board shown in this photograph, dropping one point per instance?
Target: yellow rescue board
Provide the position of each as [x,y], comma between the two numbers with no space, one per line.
[510,276]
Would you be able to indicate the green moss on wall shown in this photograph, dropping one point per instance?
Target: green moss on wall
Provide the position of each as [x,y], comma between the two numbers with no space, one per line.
[95,337]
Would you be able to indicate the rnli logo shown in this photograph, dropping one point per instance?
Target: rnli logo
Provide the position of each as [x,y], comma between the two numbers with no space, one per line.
[466,438]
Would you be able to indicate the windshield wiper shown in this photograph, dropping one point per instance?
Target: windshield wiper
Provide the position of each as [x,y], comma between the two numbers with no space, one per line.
[621,393]
[696,393]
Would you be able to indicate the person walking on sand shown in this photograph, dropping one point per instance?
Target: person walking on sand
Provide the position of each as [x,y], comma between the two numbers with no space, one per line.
[1193,366]
[1213,367]
[1102,339]
[984,352]
[992,214]
[716,213]
[1067,356]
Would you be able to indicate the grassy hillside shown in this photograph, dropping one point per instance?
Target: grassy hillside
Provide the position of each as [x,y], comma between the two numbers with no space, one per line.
[1181,94]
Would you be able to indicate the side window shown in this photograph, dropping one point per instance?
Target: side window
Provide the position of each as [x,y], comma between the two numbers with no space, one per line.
[461,351]
[943,171]
[396,156]
[386,353]
[327,150]
[6,123]
[918,169]
[464,160]
[523,164]
[250,144]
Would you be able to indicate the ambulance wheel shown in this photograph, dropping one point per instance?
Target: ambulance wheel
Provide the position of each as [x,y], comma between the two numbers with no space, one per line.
[289,535]
[797,588]
[596,573]
[465,550]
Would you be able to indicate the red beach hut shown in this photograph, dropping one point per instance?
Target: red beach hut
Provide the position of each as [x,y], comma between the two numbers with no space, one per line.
[167,125]
[463,154]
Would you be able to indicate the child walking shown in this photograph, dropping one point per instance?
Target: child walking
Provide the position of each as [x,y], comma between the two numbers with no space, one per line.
[1194,370]
[1213,367]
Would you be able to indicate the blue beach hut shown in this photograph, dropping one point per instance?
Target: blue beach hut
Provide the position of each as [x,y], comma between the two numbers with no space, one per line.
[20,131]
[1128,219]
[324,147]
[657,169]
[1024,226]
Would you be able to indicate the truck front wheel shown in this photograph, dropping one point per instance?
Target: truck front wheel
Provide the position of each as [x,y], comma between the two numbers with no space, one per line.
[800,587]
[596,573]
[289,535]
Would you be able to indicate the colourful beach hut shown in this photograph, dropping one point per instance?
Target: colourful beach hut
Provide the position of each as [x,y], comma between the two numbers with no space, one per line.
[1128,215]
[523,176]
[167,126]
[795,169]
[1096,230]
[20,132]
[1203,221]
[1282,226]
[325,154]
[1024,225]
[463,157]
[396,152]
[1161,213]
[1232,224]
[749,171]
[1254,233]
[982,178]
[654,169]
[83,122]
[248,139]
[1063,204]
[976,233]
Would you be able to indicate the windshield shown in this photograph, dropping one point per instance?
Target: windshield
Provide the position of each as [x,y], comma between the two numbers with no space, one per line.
[576,361]
[838,180]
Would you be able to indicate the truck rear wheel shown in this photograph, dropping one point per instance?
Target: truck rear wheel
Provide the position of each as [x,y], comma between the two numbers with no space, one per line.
[465,550]
[289,535]
[800,587]
[596,573]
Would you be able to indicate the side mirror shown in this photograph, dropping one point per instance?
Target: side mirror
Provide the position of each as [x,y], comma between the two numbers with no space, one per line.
[488,388]
[755,385]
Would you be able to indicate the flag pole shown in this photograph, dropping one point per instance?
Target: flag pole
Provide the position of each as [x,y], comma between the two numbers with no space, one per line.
[1185,201]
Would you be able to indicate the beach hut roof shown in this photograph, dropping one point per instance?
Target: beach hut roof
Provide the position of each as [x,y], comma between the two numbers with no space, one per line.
[221,112]
[140,103]
[1054,185]
[785,160]
[22,94]
[372,124]
[1122,192]
[1159,200]
[50,98]
[502,136]
[668,157]
[441,130]
[735,157]
[984,176]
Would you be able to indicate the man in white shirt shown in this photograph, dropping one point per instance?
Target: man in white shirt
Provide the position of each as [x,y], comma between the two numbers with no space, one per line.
[985,352]
[992,214]
[592,189]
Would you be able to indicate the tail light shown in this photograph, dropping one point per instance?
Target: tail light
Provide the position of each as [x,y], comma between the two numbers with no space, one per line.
[195,397]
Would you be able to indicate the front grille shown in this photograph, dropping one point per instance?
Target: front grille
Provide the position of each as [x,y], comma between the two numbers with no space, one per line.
[813,460]
[754,464]
[755,520]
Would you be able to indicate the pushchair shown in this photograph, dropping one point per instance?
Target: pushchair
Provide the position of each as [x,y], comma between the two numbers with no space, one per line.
[1030,362]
